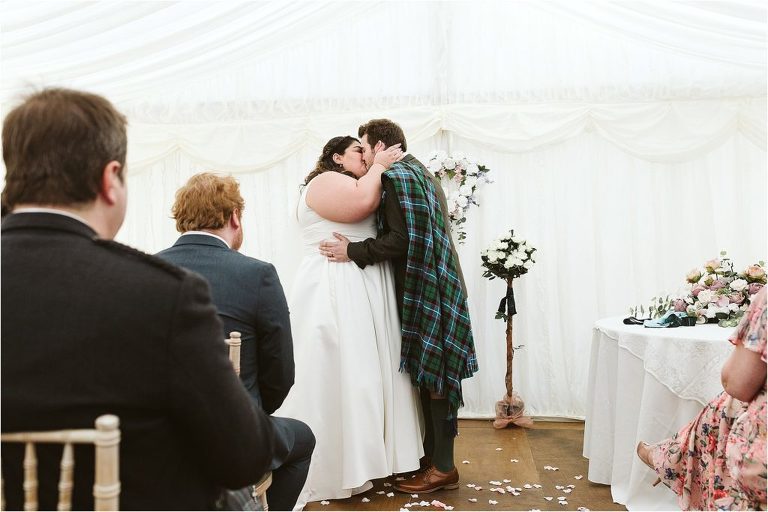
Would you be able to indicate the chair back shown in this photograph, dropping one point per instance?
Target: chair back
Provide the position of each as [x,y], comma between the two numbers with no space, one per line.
[259,491]
[234,350]
[106,486]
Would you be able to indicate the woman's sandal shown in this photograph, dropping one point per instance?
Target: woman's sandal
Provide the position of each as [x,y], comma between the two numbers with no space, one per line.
[644,456]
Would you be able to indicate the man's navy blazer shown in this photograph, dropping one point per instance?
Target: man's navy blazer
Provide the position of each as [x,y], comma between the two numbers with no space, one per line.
[250,299]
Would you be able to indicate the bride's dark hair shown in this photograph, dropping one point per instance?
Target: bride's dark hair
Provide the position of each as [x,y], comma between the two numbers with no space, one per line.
[336,145]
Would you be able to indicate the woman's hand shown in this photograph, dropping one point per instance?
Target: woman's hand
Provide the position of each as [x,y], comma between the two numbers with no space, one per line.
[388,156]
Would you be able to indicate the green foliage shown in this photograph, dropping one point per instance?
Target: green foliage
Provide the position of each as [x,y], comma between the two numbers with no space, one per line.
[657,308]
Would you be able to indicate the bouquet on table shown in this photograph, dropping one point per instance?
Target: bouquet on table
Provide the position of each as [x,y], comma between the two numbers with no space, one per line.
[717,293]
[460,177]
[714,293]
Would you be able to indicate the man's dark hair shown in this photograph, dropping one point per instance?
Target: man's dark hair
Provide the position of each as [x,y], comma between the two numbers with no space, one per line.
[56,145]
[383,130]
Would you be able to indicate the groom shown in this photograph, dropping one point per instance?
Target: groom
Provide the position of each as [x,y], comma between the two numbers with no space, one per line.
[437,347]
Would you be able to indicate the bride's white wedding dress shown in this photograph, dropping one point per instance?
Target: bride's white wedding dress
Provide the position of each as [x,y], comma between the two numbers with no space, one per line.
[348,389]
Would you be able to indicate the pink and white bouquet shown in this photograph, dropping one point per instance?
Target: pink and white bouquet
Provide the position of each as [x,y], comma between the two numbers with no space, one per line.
[460,177]
[717,292]
[713,293]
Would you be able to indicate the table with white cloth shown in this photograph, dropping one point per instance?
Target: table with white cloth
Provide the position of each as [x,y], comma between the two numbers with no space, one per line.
[645,384]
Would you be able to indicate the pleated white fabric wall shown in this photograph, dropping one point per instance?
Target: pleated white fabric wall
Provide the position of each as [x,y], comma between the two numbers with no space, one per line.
[627,140]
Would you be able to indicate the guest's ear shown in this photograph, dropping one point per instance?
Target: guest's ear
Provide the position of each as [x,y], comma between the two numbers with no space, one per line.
[234,219]
[110,181]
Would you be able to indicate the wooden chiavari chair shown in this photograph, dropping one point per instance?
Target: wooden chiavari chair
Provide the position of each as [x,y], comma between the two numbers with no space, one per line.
[106,487]
[260,488]
[234,350]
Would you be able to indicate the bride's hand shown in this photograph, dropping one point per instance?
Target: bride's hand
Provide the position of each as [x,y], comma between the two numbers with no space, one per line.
[378,147]
[387,157]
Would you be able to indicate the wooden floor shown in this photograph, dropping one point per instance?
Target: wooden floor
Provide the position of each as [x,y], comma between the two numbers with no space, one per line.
[547,444]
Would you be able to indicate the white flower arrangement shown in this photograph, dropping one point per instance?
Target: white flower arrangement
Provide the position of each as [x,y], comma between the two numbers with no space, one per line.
[460,177]
[507,257]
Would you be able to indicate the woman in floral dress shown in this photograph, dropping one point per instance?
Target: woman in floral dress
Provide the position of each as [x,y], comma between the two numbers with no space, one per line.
[718,461]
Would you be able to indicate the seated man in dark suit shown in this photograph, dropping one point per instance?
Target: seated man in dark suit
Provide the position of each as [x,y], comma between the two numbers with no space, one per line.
[250,299]
[91,327]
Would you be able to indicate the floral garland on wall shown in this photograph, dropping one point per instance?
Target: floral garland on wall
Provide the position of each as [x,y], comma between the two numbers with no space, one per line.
[460,177]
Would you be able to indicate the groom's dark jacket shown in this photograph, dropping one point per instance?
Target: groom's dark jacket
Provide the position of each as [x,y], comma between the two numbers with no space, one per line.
[392,240]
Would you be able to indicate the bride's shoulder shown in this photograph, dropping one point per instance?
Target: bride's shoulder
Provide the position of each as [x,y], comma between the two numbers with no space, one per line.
[328,183]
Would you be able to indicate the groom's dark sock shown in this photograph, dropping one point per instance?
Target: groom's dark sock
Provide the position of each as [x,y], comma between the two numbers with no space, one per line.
[429,430]
[442,457]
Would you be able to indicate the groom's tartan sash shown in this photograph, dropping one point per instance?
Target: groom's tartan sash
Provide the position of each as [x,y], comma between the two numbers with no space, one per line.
[437,348]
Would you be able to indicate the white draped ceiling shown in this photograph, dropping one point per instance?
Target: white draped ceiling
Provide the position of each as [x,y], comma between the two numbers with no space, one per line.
[628,139]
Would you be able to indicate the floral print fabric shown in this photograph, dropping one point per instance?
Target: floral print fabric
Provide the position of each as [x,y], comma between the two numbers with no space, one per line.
[718,460]
[746,447]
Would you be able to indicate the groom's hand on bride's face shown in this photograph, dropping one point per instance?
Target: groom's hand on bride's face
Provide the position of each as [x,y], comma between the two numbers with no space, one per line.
[335,250]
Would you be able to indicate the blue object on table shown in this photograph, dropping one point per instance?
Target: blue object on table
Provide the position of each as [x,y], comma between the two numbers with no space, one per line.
[671,319]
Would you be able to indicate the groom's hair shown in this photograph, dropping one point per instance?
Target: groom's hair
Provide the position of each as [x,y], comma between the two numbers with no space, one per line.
[384,130]
[207,201]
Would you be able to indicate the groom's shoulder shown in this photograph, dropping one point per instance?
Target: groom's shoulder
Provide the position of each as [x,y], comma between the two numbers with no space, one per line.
[411,162]
[406,168]
[416,162]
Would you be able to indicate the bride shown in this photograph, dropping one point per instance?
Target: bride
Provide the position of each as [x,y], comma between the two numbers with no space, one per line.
[346,333]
